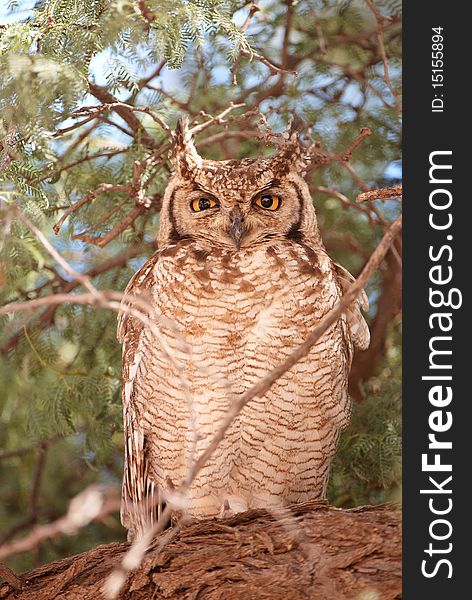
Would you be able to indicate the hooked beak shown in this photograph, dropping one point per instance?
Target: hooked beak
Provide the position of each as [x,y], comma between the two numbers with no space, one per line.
[237,227]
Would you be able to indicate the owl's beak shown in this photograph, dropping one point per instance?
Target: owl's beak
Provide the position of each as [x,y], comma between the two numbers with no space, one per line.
[237,227]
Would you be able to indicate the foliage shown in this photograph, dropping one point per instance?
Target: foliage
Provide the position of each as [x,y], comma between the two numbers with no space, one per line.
[60,366]
[367,468]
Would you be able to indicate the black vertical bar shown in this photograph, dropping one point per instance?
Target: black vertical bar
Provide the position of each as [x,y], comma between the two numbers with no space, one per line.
[436,119]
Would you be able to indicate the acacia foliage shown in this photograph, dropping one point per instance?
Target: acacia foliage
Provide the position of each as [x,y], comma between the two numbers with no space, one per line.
[60,367]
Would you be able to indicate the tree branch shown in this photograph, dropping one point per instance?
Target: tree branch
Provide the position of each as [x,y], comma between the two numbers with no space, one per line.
[125,113]
[391,193]
[46,318]
[380,19]
[16,582]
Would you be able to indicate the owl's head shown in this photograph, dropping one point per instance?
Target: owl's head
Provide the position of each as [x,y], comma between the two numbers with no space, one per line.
[237,204]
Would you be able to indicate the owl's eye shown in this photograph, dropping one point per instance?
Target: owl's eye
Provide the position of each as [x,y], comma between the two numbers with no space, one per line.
[202,204]
[268,201]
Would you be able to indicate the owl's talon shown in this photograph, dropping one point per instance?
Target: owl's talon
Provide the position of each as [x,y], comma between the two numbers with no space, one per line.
[226,510]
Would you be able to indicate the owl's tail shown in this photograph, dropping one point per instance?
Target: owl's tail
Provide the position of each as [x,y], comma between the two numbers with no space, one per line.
[141,502]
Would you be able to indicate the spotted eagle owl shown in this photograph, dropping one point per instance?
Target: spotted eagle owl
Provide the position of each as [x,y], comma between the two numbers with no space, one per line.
[240,279]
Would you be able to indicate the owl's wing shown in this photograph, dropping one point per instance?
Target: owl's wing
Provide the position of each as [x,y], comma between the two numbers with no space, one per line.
[358,327]
[139,503]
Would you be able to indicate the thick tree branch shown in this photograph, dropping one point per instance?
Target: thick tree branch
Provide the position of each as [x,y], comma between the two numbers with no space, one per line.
[16,582]
[331,554]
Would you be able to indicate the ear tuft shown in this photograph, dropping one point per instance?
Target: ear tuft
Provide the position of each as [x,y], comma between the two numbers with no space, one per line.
[183,154]
[292,153]
[297,125]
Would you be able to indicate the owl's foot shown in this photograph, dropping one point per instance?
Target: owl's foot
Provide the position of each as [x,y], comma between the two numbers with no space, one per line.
[226,510]
[232,506]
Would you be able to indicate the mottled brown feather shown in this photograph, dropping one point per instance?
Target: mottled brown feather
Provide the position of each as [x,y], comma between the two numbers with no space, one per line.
[241,310]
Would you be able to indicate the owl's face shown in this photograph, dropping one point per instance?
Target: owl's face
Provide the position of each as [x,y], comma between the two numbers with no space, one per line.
[235,204]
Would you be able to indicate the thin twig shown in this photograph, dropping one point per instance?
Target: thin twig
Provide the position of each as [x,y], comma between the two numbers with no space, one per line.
[273,68]
[224,135]
[394,192]
[46,318]
[93,110]
[379,34]
[106,217]
[79,161]
[93,504]
[364,133]
[101,241]
[133,558]
[60,132]
[157,71]
[83,279]
[182,105]
[219,119]
[89,197]
[125,113]
[344,200]
[361,184]
[253,8]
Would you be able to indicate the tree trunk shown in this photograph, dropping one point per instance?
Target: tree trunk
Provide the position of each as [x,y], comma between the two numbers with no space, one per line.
[311,552]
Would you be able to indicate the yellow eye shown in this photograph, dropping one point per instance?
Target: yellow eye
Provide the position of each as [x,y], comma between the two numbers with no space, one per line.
[202,204]
[268,201]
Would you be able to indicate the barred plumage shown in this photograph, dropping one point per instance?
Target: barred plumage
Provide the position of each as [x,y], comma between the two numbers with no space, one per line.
[241,284]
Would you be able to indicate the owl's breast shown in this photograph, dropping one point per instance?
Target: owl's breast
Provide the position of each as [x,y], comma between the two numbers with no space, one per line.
[240,315]
[222,297]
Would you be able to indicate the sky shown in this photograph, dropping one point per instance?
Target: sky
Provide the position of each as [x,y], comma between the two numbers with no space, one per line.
[169,78]
[20,12]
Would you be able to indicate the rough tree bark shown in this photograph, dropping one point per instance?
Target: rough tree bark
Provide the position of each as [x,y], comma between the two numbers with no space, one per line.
[312,552]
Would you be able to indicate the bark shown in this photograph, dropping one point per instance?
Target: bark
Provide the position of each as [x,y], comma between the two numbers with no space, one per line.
[313,552]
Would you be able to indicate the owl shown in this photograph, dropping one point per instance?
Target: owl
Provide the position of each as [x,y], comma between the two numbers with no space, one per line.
[240,279]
